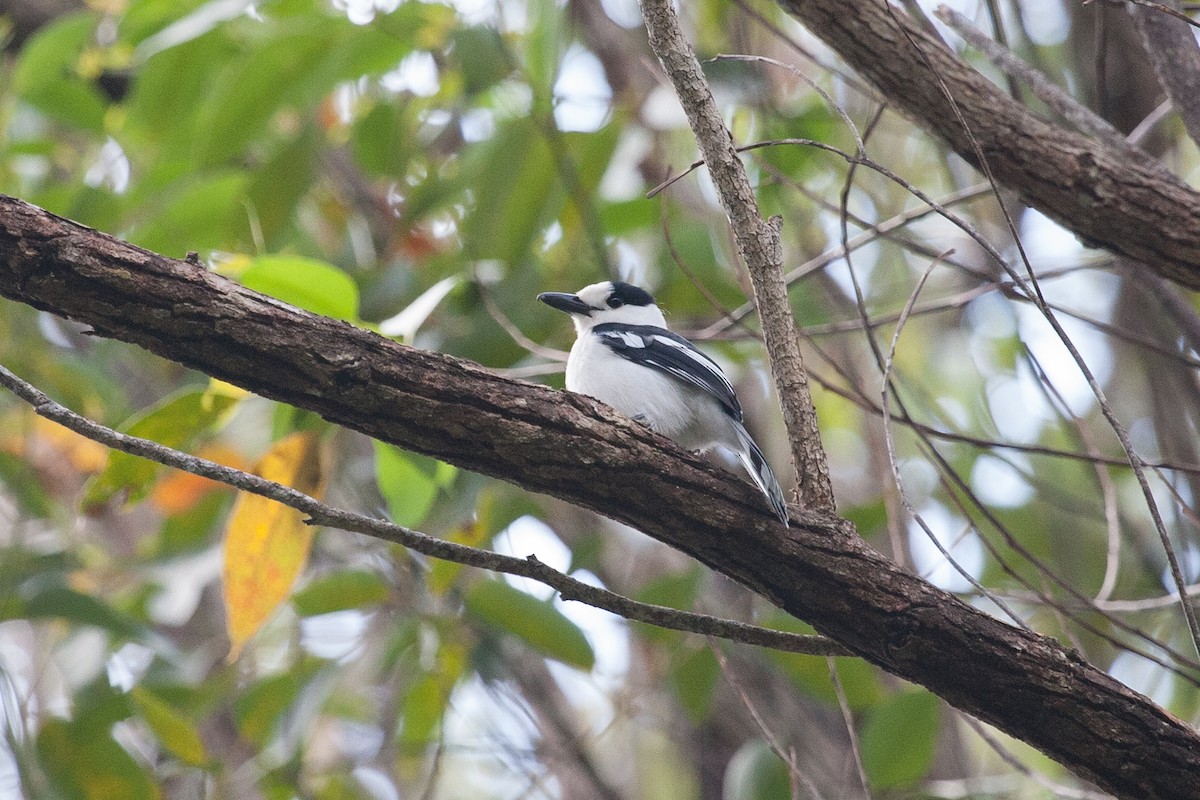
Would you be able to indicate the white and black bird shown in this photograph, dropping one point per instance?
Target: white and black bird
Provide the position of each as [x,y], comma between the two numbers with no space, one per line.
[625,356]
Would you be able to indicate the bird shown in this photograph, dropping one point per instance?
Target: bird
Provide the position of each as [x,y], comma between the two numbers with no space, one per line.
[624,356]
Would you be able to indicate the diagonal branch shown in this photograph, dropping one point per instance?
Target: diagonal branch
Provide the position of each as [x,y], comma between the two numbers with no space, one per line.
[321,514]
[574,448]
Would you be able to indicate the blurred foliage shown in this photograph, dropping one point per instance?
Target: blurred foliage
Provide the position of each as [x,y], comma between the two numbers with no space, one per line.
[424,169]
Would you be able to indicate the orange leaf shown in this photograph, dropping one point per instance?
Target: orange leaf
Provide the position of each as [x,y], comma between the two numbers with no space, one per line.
[177,492]
[266,544]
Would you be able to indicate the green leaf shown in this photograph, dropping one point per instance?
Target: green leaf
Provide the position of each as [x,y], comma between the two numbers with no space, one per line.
[383,139]
[673,591]
[369,50]
[278,186]
[72,102]
[51,53]
[87,764]
[868,518]
[756,773]
[304,282]
[898,739]
[174,730]
[409,492]
[59,602]
[424,707]
[47,78]
[694,680]
[197,212]
[251,89]
[171,86]
[189,531]
[340,591]
[539,623]
[860,681]
[258,710]
[173,421]
[676,591]
[23,484]
[98,706]
[483,58]
[519,172]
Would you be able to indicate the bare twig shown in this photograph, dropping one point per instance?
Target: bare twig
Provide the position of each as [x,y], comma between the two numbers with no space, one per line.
[320,514]
[1161,8]
[851,733]
[795,776]
[1007,757]
[887,393]
[510,327]
[1032,290]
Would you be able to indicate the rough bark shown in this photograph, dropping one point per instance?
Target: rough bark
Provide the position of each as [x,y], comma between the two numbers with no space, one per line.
[1116,198]
[759,246]
[576,449]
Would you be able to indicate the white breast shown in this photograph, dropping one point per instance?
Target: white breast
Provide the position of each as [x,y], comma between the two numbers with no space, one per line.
[679,412]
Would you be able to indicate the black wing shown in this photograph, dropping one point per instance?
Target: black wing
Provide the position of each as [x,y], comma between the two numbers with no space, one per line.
[667,352]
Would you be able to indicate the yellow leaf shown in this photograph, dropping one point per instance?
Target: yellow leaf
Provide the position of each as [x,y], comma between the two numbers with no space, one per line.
[266,544]
[217,386]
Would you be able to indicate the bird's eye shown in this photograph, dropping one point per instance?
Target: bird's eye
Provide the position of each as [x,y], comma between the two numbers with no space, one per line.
[615,302]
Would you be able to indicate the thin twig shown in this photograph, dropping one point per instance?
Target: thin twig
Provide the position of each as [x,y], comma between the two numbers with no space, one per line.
[1162,9]
[888,392]
[510,327]
[1007,757]
[788,757]
[1033,291]
[851,734]
[320,514]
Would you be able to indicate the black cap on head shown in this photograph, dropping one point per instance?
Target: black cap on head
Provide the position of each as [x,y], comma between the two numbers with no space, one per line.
[631,295]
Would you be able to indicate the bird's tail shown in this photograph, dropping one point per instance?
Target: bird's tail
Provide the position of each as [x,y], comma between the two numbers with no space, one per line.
[761,473]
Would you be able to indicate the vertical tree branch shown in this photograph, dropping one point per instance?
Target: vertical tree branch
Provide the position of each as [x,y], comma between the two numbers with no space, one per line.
[758,245]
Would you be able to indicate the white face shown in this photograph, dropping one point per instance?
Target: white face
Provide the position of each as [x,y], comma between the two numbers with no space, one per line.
[597,295]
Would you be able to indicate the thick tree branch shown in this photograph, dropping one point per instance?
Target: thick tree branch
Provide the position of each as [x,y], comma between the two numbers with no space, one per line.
[758,244]
[574,448]
[321,514]
[1116,198]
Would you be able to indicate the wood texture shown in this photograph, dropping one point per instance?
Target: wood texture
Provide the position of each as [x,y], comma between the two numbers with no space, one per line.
[576,449]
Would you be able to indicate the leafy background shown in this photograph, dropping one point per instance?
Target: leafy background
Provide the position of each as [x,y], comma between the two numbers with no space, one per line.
[424,169]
